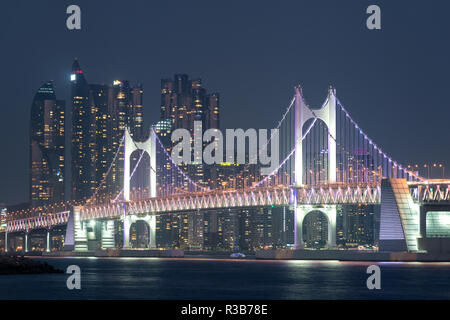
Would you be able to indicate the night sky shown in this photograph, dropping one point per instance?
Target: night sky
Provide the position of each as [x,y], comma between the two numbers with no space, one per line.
[393,81]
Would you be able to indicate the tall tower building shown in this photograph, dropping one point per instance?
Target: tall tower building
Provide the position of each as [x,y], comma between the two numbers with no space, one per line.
[136,114]
[47,134]
[100,114]
[99,129]
[184,101]
[125,105]
[212,111]
[83,139]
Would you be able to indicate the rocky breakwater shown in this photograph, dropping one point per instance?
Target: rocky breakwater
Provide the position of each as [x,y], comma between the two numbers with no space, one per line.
[21,265]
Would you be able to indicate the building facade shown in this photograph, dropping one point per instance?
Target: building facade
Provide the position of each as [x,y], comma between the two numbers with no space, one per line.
[100,114]
[47,147]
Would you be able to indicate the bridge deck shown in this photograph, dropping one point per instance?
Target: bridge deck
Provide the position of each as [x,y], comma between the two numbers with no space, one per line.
[424,192]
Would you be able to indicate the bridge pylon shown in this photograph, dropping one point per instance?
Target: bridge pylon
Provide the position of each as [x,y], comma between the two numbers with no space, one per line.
[148,146]
[327,113]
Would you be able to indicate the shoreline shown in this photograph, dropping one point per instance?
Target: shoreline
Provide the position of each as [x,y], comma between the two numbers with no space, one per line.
[10,264]
[261,255]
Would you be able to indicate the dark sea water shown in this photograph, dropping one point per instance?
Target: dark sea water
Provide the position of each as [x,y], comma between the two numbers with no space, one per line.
[205,278]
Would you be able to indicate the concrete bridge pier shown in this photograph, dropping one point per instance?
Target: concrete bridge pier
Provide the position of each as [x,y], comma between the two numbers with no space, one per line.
[331,214]
[301,211]
[107,240]
[299,215]
[25,241]
[80,235]
[150,220]
[126,232]
[48,242]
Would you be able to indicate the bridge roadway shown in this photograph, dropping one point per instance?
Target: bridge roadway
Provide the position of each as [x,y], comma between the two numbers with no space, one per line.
[257,197]
[329,194]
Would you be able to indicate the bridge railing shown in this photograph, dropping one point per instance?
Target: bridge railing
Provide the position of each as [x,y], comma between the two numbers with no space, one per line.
[430,191]
[276,195]
[39,222]
[339,193]
[328,194]
[279,195]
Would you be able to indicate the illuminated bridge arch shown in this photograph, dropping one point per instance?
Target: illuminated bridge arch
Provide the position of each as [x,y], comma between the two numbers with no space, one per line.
[327,114]
[148,146]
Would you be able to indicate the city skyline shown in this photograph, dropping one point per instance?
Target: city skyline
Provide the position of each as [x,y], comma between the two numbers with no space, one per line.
[228,156]
[438,167]
[255,69]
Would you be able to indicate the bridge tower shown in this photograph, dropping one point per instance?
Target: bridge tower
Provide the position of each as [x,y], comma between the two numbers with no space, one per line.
[148,146]
[328,115]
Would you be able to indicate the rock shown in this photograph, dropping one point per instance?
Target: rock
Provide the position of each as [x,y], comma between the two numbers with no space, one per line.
[21,265]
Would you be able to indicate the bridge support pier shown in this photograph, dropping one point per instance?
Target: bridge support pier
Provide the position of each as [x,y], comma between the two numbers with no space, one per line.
[6,241]
[25,241]
[299,215]
[152,224]
[129,220]
[301,211]
[126,232]
[108,234]
[79,231]
[48,246]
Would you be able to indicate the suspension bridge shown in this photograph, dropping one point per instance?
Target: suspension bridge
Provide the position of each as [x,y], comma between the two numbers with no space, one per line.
[326,160]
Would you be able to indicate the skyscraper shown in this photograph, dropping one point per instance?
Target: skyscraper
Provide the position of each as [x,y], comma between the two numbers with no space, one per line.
[47,134]
[184,101]
[212,111]
[99,128]
[100,114]
[125,107]
[82,139]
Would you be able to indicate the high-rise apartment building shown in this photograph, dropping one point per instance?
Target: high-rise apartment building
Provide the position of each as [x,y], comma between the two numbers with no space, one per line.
[99,129]
[125,105]
[100,114]
[82,139]
[184,101]
[47,135]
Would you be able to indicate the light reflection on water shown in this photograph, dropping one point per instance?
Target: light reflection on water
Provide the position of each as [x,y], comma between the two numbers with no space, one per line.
[209,278]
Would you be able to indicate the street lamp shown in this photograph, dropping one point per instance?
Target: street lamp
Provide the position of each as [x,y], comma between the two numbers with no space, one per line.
[428,167]
[443,170]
